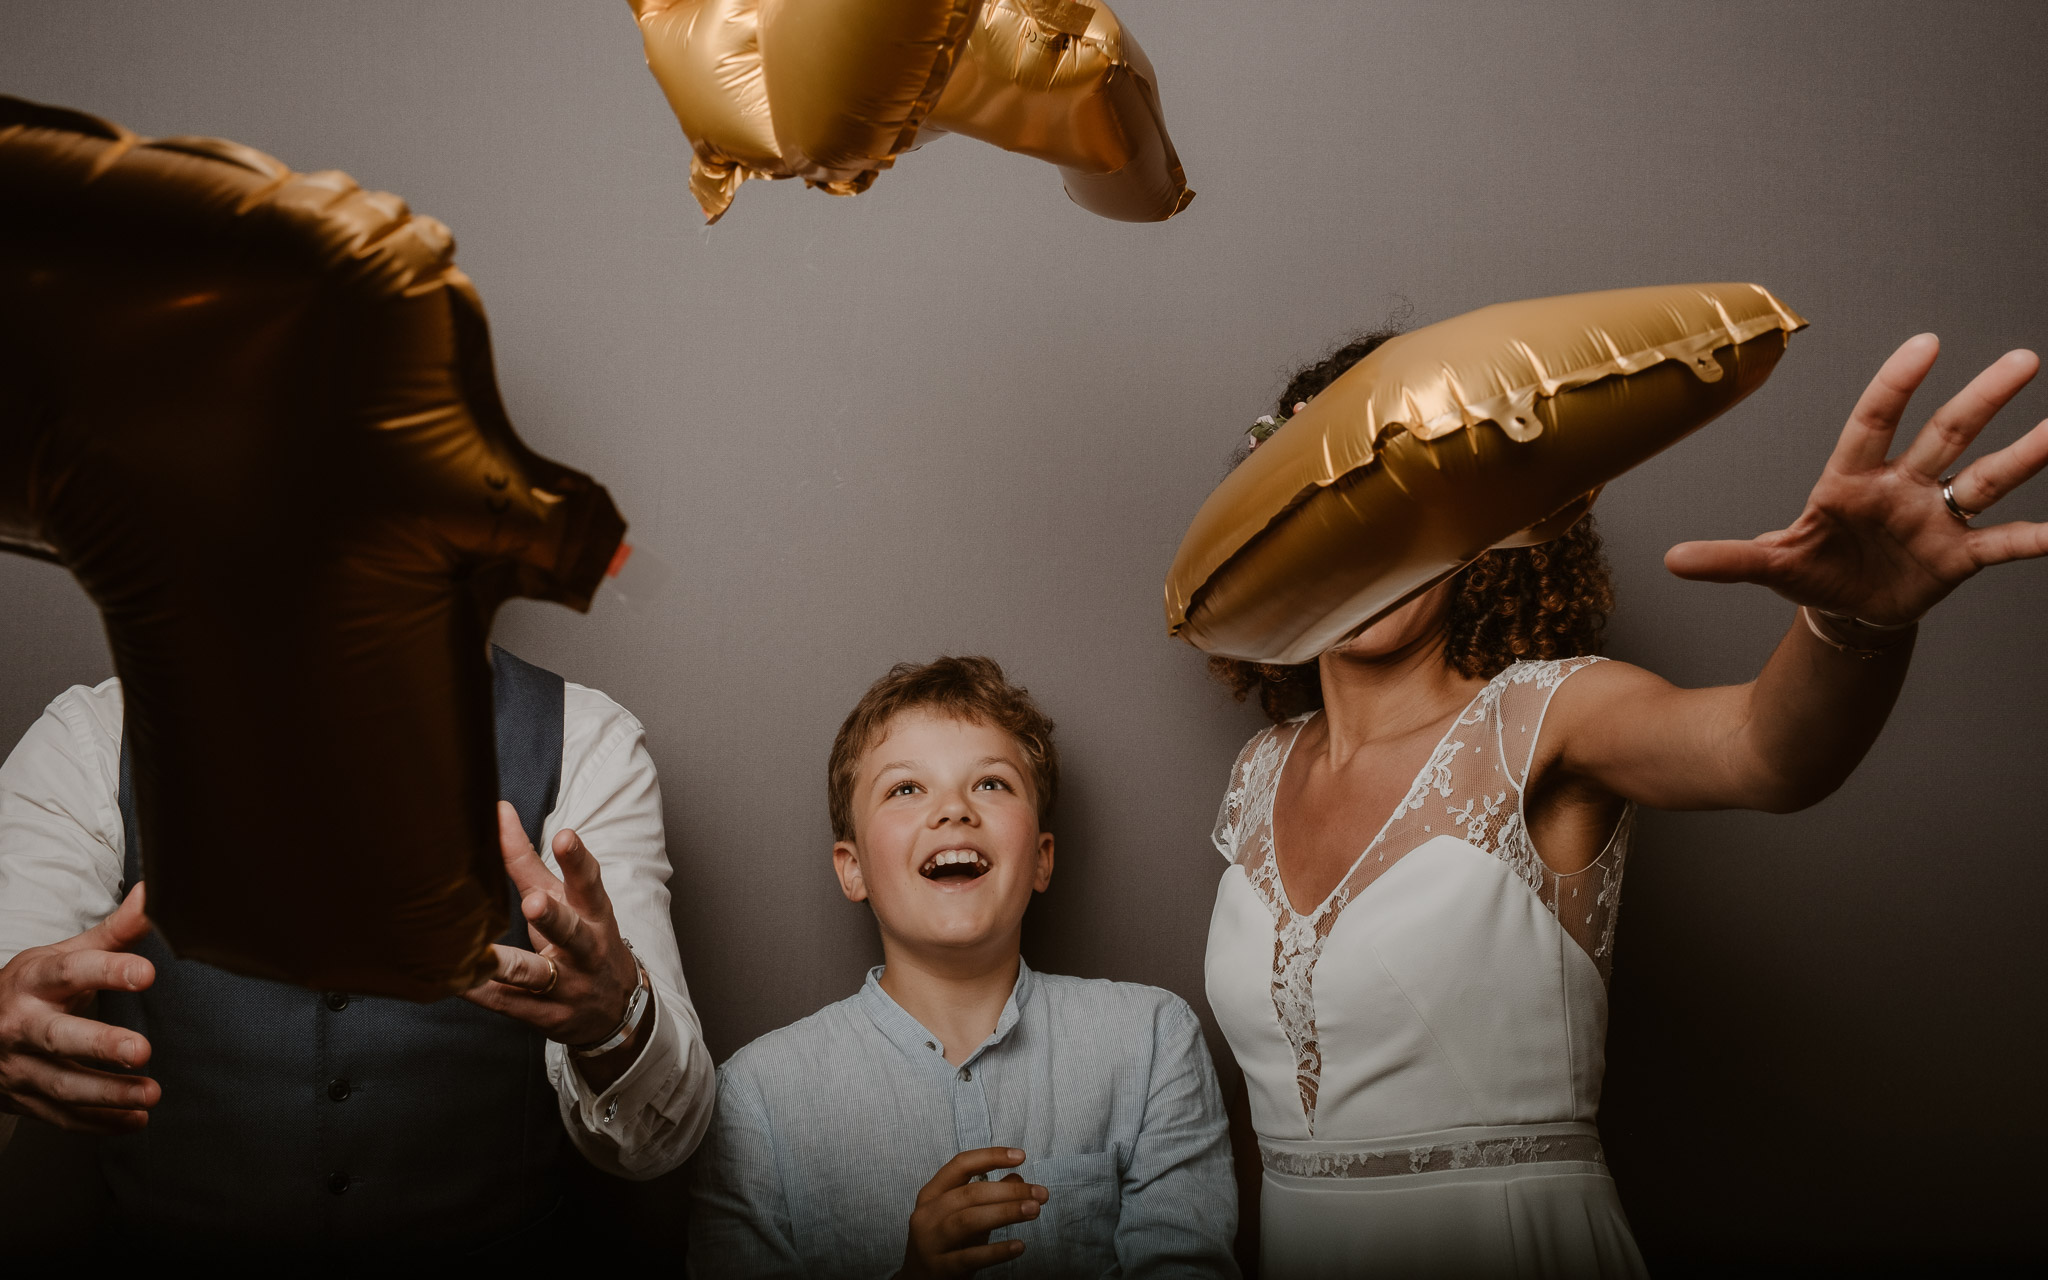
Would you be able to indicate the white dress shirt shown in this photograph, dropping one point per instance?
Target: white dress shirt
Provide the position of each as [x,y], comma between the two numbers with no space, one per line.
[62,843]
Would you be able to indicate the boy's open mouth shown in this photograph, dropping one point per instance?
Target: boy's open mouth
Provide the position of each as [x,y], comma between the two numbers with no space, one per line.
[955,864]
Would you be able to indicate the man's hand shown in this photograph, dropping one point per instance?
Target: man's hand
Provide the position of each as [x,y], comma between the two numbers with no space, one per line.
[949,1228]
[1876,540]
[46,1049]
[576,986]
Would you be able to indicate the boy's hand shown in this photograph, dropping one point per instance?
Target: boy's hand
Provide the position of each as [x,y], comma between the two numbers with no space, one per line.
[949,1228]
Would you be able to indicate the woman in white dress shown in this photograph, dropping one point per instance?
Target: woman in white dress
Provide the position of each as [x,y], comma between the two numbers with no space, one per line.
[1410,947]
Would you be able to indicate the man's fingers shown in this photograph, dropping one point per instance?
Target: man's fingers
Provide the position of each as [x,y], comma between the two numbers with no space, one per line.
[81,1038]
[581,879]
[561,924]
[524,969]
[962,1168]
[104,1121]
[1995,475]
[1868,437]
[522,864]
[118,932]
[72,973]
[68,1084]
[1957,423]
[1719,561]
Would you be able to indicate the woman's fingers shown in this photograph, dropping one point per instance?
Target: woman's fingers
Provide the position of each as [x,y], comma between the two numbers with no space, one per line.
[1727,561]
[2002,542]
[1957,423]
[1995,475]
[1868,436]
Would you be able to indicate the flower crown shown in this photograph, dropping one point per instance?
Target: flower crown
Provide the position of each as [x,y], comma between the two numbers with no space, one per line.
[1266,424]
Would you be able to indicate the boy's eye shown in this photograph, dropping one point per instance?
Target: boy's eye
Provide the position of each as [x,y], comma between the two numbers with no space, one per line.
[992,782]
[903,789]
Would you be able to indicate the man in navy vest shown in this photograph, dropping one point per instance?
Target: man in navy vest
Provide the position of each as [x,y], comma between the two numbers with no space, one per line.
[253,1113]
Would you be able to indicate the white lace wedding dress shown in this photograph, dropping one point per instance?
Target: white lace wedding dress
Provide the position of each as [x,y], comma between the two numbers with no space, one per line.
[1423,1049]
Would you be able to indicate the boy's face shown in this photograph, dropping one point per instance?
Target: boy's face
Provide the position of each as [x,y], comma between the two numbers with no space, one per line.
[946,845]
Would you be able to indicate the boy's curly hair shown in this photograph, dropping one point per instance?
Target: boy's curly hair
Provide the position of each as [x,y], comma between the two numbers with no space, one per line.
[1528,603]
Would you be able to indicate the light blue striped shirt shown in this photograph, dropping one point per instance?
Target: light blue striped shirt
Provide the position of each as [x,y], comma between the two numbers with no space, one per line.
[825,1130]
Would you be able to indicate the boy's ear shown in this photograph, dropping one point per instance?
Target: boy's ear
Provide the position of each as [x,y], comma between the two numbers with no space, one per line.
[1042,880]
[846,865]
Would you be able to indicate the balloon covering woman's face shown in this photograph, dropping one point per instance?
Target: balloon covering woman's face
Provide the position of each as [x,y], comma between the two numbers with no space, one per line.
[1419,619]
[947,847]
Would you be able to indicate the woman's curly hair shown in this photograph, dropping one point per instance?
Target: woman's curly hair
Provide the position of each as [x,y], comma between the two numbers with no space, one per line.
[1528,603]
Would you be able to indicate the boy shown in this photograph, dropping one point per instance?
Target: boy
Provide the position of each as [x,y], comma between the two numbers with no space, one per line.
[869,1138]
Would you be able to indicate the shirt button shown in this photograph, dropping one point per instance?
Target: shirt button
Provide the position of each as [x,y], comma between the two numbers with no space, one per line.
[931,1044]
[337,1000]
[337,1182]
[337,1089]
[965,1074]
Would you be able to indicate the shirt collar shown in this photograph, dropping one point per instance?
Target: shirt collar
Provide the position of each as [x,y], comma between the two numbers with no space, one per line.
[910,1035]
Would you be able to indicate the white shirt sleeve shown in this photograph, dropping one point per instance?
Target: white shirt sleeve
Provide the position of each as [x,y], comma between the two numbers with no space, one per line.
[60,826]
[60,821]
[650,1119]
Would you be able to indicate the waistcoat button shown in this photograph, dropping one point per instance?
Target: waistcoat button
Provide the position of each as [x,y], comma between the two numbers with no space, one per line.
[337,1000]
[337,1090]
[337,1182]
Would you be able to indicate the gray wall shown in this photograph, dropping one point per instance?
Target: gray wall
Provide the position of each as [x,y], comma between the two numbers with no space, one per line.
[958,414]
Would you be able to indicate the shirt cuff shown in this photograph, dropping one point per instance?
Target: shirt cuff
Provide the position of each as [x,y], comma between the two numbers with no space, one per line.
[628,1114]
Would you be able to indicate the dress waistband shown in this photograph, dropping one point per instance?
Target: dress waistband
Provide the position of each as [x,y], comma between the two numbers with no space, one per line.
[1489,1147]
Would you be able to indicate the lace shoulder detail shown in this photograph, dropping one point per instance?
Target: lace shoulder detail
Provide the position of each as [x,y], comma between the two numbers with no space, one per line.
[1252,780]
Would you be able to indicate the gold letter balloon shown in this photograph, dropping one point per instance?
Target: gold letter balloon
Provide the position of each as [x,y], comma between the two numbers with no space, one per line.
[832,91]
[253,411]
[1493,429]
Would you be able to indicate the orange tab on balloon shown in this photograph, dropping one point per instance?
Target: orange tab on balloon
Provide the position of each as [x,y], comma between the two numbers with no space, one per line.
[1493,429]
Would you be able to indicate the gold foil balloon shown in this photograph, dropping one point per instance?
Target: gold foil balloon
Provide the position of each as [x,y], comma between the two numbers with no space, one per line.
[253,411]
[1493,429]
[1066,83]
[831,91]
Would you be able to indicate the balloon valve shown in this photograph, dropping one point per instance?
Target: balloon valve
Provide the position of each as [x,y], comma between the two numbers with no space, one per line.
[635,577]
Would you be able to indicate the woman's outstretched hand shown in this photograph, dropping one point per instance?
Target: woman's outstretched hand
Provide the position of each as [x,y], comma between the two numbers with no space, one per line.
[1876,540]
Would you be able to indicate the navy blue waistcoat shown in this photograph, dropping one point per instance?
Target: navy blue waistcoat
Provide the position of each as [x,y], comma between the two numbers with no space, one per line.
[326,1117]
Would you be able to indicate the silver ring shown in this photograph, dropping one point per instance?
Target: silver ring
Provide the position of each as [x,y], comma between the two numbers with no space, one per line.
[1948,496]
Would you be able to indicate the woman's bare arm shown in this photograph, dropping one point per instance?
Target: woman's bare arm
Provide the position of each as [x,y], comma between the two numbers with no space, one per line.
[1877,542]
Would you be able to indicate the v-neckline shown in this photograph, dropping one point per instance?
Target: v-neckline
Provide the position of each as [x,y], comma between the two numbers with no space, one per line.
[1286,899]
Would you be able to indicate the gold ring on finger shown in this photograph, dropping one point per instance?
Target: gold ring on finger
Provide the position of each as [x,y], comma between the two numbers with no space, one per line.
[1948,497]
[554,976]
